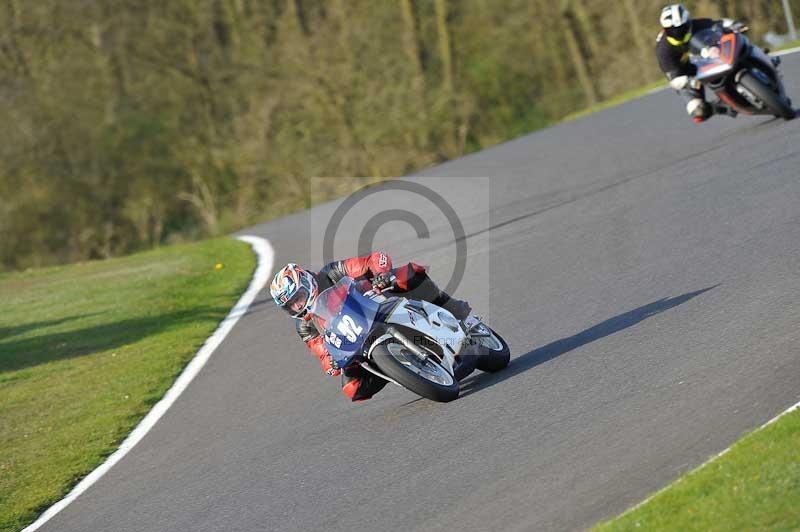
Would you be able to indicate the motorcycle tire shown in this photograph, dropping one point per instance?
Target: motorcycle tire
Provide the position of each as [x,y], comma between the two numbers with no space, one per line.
[397,362]
[776,105]
[495,357]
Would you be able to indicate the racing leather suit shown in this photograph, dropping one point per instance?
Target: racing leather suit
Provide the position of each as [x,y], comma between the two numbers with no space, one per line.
[412,280]
[675,64]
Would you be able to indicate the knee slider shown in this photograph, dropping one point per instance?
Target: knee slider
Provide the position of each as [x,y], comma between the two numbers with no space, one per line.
[696,107]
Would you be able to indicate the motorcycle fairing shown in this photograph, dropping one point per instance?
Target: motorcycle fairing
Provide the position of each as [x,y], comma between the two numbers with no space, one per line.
[433,323]
[717,54]
[346,333]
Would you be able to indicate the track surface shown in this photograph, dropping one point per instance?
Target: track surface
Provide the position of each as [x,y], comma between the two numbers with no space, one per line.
[646,274]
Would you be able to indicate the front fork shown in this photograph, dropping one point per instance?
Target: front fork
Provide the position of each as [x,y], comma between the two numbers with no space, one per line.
[392,333]
[768,63]
[447,361]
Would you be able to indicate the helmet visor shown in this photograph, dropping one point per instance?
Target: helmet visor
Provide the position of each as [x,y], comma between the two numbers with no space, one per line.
[679,35]
[296,305]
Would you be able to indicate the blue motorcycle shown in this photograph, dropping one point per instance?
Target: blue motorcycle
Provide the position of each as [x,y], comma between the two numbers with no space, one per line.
[414,344]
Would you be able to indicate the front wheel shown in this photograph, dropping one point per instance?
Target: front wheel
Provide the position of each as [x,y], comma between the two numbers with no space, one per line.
[426,378]
[777,105]
[496,353]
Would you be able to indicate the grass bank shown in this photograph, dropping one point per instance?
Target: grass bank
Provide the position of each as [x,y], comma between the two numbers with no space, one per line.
[787,46]
[87,349]
[754,486]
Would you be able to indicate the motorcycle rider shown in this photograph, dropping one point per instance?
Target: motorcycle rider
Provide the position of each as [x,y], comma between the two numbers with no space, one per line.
[672,51]
[295,290]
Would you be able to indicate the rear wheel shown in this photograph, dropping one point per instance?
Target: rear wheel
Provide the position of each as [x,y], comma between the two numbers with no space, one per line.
[424,377]
[775,103]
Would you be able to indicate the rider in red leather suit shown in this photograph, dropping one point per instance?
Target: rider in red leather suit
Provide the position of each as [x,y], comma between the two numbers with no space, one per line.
[411,280]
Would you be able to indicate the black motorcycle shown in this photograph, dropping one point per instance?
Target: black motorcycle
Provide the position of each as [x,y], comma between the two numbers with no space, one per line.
[741,74]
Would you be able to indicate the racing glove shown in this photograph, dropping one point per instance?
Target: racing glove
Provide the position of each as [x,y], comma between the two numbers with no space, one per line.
[681,82]
[382,281]
[734,25]
[330,367]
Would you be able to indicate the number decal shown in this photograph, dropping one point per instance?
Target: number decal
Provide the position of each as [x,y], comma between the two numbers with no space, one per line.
[347,326]
[334,340]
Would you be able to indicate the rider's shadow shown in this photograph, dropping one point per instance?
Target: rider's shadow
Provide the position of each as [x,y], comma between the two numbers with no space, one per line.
[529,360]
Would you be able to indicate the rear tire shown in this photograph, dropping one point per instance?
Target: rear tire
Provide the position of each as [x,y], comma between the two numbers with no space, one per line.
[414,382]
[777,106]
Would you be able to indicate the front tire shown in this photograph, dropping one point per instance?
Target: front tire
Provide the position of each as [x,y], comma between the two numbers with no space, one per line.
[777,106]
[496,353]
[402,365]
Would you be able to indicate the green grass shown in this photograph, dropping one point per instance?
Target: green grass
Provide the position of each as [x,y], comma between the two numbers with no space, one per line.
[87,349]
[755,486]
[787,46]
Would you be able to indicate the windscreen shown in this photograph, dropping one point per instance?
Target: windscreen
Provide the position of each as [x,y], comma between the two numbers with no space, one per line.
[706,54]
[704,39]
[345,317]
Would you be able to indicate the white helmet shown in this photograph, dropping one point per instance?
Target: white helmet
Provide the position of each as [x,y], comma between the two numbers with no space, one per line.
[674,16]
[677,24]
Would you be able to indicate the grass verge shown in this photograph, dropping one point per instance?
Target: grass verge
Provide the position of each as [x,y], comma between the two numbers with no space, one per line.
[87,349]
[787,46]
[754,486]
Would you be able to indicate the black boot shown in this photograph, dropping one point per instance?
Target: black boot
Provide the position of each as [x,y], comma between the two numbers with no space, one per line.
[720,108]
[422,287]
[458,308]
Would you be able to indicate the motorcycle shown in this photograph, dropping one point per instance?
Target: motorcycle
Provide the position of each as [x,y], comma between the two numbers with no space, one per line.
[741,74]
[414,344]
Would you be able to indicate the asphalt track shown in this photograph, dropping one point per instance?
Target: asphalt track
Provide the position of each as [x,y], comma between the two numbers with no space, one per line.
[645,272]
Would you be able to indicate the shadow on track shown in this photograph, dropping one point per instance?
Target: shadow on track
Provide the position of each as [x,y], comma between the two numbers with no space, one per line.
[552,350]
[253,307]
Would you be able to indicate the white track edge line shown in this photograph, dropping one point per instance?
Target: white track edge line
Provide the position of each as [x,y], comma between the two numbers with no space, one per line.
[265,258]
[789,410]
[787,52]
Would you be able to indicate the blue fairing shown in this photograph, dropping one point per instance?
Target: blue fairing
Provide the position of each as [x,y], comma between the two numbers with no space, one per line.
[347,332]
